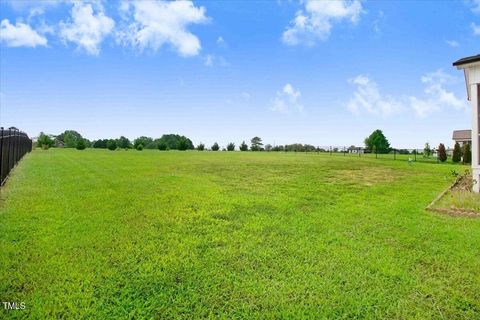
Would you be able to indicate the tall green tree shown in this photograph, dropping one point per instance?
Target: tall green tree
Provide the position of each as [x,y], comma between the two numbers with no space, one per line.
[427,151]
[215,147]
[442,153]
[69,138]
[256,144]
[378,142]
[201,147]
[231,146]
[457,153]
[124,143]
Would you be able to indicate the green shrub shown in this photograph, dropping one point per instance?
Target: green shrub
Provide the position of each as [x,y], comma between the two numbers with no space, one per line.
[144,141]
[215,147]
[111,144]
[100,144]
[442,153]
[243,146]
[124,143]
[182,144]
[457,153]
[162,146]
[81,145]
[172,141]
[44,141]
[231,146]
[467,153]
[139,147]
[201,147]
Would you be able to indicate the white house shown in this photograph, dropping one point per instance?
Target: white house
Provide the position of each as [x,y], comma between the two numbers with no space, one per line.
[471,69]
[355,150]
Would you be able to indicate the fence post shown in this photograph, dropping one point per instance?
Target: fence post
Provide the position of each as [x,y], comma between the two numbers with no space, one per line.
[9,150]
[394,154]
[18,147]
[344,151]
[415,155]
[1,155]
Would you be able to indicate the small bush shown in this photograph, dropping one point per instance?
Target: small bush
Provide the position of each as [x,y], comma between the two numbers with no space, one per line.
[442,153]
[215,147]
[162,146]
[81,145]
[44,141]
[467,153]
[111,144]
[139,147]
[457,153]
[201,147]
[182,144]
[231,146]
[243,146]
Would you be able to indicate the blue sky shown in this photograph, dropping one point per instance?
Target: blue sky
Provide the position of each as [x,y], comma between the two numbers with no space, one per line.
[317,72]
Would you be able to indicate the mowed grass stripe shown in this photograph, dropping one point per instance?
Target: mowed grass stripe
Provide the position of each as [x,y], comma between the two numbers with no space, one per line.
[156,234]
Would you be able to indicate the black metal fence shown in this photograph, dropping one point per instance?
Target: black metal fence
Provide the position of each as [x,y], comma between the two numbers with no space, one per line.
[14,144]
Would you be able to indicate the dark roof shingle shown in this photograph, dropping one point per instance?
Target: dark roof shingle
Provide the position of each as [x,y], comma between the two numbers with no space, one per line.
[462,135]
[467,60]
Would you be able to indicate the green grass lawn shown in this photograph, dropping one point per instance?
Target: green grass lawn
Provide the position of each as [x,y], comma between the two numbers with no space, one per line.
[128,234]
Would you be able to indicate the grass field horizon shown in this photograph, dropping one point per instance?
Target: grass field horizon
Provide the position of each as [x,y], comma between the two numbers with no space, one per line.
[129,234]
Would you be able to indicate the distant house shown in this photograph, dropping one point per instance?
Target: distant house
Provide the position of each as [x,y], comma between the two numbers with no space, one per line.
[59,143]
[462,136]
[356,150]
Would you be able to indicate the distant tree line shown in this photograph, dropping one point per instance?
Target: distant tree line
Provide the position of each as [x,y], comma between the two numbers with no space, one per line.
[73,139]
[376,142]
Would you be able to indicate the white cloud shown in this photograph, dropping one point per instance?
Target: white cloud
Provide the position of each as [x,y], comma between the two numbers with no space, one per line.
[287,100]
[377,22]
[208,60]
[211,60]
[476,29]
[367,97]
[316,20]
[436,95]
[162,22]
[20,35]
[452,43]
[221,42]
[87,28]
